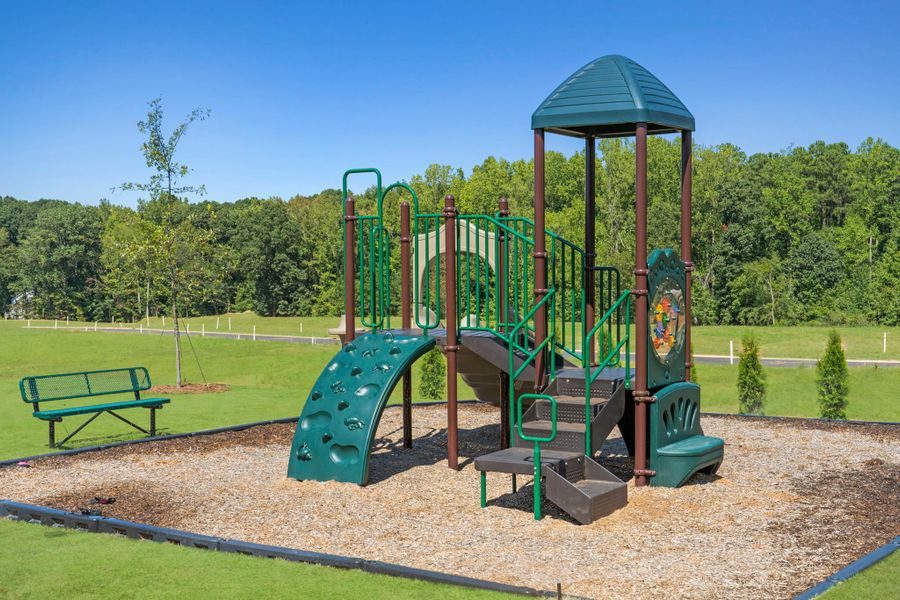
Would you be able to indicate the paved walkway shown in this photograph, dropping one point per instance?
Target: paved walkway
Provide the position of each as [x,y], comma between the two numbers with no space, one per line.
[714,359]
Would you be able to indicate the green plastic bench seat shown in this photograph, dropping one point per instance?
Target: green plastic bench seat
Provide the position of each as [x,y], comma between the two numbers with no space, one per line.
[678,448]
[84,410]
[696,445]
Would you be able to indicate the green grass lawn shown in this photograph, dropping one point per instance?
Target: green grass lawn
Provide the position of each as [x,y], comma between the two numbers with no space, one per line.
[791,392]
[808,341]
[881,580]
[60,563]
[268,380]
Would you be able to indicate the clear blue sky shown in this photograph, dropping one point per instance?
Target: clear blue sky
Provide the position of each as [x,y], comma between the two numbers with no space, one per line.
[300,92]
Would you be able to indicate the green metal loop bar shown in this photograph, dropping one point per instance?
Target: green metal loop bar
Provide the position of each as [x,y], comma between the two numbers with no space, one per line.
[401,186]
[537,442]
[610,359]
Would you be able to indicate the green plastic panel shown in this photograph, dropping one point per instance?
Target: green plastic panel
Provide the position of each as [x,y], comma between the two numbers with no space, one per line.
[678,448]
[607,98]
[334,435]
[665,331]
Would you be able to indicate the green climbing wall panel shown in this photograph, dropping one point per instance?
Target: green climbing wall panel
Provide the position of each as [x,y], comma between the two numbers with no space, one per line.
[335,432]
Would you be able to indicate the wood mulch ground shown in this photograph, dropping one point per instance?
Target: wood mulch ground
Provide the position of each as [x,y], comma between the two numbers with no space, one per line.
[793,502]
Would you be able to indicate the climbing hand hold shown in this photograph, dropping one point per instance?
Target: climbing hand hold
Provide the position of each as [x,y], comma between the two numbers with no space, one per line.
[354,423]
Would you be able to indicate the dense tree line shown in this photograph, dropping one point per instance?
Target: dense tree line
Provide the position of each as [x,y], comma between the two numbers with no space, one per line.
[804,235]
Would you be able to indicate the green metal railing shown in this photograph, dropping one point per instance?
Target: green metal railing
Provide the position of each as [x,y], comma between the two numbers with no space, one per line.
[565,273]
[610,358]
[373,260]
[537,443]
[608,290]
[423,226]
[495,297]
[526,353]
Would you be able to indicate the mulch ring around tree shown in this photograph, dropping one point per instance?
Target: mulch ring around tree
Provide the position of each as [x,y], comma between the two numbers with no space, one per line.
[791,505]
[191,388]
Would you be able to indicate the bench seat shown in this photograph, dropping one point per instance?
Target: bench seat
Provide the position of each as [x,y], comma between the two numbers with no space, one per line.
[95,408]
[696,445]
[678,447]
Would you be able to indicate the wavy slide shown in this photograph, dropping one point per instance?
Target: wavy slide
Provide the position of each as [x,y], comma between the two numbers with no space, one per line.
[334,435]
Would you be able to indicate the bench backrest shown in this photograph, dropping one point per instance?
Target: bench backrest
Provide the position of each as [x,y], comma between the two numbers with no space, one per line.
[66,386]
[675,415]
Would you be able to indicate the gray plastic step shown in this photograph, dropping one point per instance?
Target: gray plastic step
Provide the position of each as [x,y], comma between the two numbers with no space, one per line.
[569,436]
[520,461]
[570,382]
[593,496]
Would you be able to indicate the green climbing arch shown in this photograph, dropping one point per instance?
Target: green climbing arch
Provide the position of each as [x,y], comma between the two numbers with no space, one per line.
[334,435]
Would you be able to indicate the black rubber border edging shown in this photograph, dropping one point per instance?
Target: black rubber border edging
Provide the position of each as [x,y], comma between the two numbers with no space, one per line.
[850,570]
[52,517]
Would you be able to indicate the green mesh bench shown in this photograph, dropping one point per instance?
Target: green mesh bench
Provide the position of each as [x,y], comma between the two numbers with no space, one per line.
[90,384]
[678,448]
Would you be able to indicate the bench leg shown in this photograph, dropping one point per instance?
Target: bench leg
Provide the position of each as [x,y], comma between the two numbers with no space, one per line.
[152,421]
[52,425]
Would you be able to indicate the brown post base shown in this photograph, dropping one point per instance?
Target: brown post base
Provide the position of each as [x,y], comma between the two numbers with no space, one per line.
[407,410]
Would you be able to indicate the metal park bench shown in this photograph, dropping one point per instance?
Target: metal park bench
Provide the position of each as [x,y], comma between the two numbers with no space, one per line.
[90,384]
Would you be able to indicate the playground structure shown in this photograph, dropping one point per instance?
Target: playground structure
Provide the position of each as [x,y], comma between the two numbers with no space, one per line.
[528,320]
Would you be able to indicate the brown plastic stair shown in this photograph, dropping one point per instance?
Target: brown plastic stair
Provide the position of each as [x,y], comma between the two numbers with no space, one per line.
[594,495]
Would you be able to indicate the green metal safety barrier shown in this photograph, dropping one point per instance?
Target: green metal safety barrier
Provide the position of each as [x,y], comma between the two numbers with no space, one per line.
[537,443]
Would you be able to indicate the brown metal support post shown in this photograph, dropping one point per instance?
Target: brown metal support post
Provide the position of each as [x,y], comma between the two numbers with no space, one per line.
[641,395]
[540,258]
[406,317]
[686,166]
[590,243]
[452,340]
[503,301]
[349,271]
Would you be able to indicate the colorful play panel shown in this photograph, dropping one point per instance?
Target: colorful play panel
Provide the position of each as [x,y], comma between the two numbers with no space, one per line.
[528,320]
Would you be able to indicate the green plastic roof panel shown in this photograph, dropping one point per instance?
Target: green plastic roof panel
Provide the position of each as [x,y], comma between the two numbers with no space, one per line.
[607,98]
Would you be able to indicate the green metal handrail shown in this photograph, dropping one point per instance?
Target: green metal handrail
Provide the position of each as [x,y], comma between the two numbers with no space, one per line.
[609,359]
[537,443]
[529,354]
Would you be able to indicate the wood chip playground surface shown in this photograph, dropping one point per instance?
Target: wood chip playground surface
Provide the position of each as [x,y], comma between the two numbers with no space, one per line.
[794,501]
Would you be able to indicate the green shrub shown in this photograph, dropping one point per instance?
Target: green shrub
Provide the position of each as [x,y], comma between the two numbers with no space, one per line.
[434,376]
[751,382]
[832,380]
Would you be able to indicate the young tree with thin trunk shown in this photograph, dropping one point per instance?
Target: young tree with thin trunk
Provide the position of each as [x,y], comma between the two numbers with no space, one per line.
[176,252]
[832,380]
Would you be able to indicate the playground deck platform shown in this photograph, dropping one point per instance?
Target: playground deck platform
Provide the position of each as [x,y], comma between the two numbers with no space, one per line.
[794,501]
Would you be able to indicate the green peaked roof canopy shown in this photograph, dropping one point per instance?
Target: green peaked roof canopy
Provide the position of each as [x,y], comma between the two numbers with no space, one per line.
[607,98]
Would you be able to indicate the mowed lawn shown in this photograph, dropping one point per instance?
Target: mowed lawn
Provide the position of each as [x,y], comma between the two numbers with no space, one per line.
[83,565]
[791,392]
[807,341]
[268,380]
